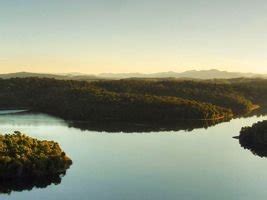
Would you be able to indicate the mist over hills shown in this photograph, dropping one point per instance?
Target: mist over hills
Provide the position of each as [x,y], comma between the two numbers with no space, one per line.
[192,74]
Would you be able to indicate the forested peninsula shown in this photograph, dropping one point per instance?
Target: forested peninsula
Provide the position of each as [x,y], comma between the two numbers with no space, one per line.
[24,157]
[134,100]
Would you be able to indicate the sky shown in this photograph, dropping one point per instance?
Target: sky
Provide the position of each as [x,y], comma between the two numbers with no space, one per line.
[120,36]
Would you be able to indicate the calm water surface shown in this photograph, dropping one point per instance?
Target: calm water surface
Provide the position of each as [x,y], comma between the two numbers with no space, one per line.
[201,164]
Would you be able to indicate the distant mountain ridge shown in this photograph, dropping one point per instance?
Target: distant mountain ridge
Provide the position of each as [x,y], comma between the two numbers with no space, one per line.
[192,74]
[68,76]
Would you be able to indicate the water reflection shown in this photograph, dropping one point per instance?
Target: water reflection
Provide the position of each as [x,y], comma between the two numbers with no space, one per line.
[157,166]
[257,149]
[15,117]
[30,119]
[19,185]
[37,119]
[112,127]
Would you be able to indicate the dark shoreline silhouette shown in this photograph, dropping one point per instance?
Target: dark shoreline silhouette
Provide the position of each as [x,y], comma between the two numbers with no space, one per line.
[254,138]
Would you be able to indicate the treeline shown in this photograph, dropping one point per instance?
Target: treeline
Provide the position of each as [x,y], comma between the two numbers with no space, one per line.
[78,100]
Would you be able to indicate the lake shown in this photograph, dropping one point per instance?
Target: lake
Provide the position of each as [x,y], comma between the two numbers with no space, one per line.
[205,163]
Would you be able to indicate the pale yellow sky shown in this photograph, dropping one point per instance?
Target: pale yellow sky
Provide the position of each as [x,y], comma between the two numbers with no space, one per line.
[133,36]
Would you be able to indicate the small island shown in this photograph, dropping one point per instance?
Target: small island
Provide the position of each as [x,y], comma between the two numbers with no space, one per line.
[255,138]
[24,157]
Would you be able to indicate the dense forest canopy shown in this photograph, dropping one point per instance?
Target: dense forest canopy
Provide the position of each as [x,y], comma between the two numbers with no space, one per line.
[134,99]
[223,95]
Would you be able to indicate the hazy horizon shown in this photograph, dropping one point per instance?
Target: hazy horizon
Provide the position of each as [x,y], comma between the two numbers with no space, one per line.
[136,72]
[117,36]
[125,72]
